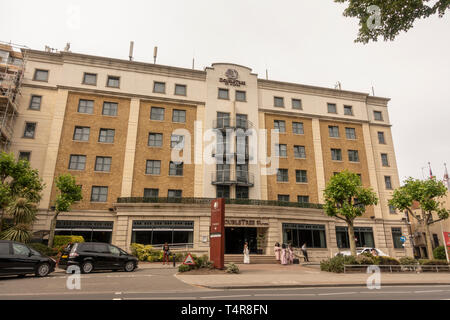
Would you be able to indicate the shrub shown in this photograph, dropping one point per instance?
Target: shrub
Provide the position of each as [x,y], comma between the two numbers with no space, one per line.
[336,264]
[439,253]
[184,268]
[232,268]
[365,259]
[62,241]
[43,249]
[426,262]
[404,261]
[387,261]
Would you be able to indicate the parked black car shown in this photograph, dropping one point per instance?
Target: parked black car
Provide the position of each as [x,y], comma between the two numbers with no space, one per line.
[17,258]
[89,256]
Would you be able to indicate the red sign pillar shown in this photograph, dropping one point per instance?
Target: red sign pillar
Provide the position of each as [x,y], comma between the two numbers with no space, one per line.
[217,233]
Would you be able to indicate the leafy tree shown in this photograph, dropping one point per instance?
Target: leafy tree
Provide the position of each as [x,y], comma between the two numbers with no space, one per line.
[23,212]
[347,199]
[427,195]
[394,16]
[17,180]
[68,193]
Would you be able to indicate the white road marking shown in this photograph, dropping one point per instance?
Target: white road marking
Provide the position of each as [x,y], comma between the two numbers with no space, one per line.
[426,291]
[118,293]
[283,294]
[232,296]
[162,298]
[117,299]
[335,293]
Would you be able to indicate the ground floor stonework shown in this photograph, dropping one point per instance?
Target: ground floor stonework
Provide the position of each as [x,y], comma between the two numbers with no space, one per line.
[187,227]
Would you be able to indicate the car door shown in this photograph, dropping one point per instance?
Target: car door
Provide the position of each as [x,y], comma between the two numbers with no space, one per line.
[5,257]
[116,259]
[22,261]
[102,254]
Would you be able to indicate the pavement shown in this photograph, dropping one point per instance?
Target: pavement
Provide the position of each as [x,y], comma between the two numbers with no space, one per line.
[288,276]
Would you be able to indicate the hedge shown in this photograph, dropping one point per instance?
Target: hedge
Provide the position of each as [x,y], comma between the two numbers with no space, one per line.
[43,249]
[200,262]
[147,253]
[62,241]
[426,262]
[439,253]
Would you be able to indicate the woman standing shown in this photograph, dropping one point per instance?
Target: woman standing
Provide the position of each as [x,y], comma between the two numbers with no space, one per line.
[277,251]
[246,253]
[283,254]
[291,254]
[166,253]
[305,253]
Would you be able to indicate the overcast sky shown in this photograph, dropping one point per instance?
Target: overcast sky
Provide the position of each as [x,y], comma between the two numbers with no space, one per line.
[306,41]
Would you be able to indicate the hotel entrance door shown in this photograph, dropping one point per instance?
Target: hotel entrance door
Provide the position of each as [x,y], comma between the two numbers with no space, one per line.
[235,238]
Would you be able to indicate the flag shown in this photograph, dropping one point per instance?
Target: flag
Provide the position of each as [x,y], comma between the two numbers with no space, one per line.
[446,179]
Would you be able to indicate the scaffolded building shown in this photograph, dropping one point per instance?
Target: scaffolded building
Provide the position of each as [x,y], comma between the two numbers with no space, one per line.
[12,67]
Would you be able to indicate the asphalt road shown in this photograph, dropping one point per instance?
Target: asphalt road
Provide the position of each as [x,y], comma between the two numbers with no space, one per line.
[159,284]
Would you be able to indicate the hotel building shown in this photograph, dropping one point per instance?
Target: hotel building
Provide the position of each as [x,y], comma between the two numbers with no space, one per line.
[116,124]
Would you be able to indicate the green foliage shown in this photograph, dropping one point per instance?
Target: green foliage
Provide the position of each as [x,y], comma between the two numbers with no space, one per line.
[405,261]
[69,192]
[22,210]
[336,264]
[20,232]
[365,259]
[439,253]
[43,249]
[184,268]
[386,261]
[426,262]
[396,16]
[232,268]
[62,241]
[147,253]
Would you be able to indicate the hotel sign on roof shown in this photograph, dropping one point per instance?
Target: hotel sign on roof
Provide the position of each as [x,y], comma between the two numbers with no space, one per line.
[232,78]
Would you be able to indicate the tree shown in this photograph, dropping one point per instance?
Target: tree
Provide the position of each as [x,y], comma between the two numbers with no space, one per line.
[17,180]
[23,212]
[68,193]
[347,199]
[425,194]
[391,17]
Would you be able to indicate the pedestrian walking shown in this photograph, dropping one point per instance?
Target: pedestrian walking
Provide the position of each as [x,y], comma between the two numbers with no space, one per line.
[246,253]
[291,254]
[277,251]
[305,253]
[284,259]
[166,254]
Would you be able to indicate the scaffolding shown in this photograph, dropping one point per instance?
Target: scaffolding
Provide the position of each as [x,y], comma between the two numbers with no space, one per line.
[12,68]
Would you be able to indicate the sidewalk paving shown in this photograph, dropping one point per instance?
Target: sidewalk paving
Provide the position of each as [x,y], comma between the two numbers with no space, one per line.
[271,276]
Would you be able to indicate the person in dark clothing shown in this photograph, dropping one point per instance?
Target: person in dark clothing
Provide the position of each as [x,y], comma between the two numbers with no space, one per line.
[166,253]
[305,253]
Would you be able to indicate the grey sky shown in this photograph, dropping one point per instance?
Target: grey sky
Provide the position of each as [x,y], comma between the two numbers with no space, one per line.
[307,42]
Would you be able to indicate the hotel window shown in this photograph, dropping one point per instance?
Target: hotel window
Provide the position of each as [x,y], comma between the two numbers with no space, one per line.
[387,182]
[353,156]
[282,175]
[282,150]
[223,94]
[180,89]
[348,110]
[106,135]
[332,108]
[377,115]
[241,96]
[154,232]
[99,194]
[301,176]
[350,133]
[223,192]
[297,127]
[179,115]
[297,104]
[303,199]
[384,160]
[35,103]
[159,87]
[381,138]
[298,234]
[283,197]
[157,113]
[336,154]
[113,82]
[103,164]
[333,131]
[81,133]
[396,235]
[90,78]
[153,167]
[241,121]
[86,106]
[280,125]
[77,162]
[299,152]
[40,75]
[278,102]
[151,193]
[174,193]
[30,130]
[241,192]
[109,109]
[24,155]
[363,236]
[175,169]
[392,209]
[222,172]
[177,141]
[223,119]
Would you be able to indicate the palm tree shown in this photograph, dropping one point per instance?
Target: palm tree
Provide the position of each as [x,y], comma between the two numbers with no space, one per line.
[23,212]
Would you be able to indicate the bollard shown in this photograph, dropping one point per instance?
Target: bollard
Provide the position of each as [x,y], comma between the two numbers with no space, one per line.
[173,259]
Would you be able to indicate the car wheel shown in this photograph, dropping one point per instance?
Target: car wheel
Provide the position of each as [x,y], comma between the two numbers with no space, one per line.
[87,267]
[43,270]
[129,266]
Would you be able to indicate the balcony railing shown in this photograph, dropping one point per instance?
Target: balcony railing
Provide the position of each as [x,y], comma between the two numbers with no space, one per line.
[228,123]
[229,177]
[223,150]
[207,201]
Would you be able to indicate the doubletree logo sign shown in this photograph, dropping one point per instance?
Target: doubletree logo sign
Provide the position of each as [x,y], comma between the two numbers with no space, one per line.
[232,78]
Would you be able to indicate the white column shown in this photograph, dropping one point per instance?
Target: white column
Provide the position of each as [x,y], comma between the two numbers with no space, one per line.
[320,171]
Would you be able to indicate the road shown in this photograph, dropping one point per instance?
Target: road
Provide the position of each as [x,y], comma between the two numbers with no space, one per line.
[162,284]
